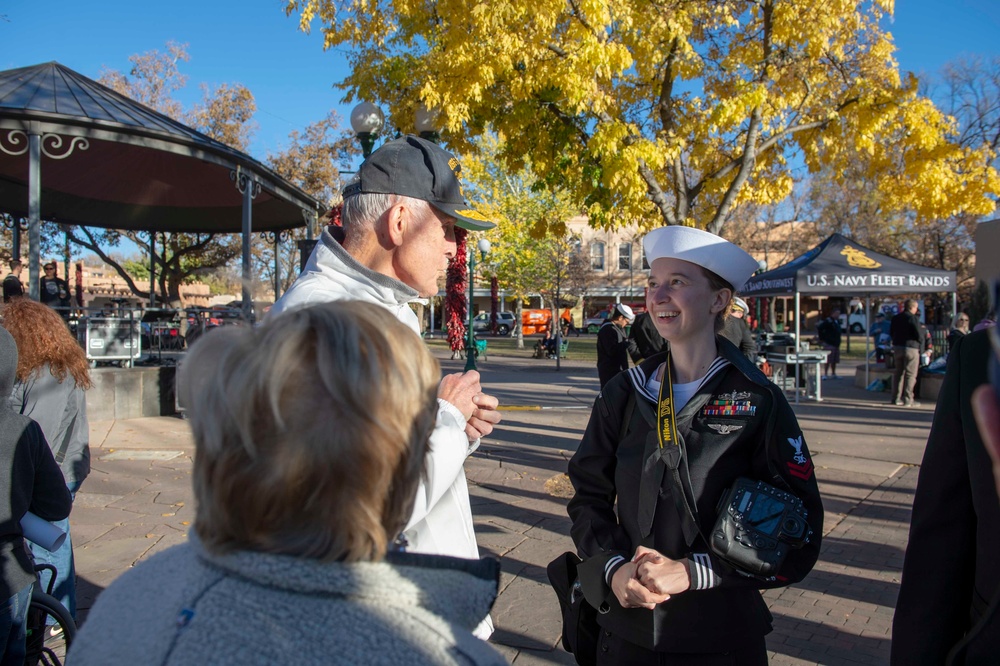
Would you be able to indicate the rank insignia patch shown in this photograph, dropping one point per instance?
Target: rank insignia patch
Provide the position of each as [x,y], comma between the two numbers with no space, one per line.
[803,471]
[802,467]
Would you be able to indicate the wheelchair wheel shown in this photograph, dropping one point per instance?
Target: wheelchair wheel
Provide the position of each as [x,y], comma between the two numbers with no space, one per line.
[47,642]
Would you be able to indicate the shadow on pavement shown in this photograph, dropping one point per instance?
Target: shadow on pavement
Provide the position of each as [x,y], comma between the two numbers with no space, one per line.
[817,642]
[86,594]
[847,586]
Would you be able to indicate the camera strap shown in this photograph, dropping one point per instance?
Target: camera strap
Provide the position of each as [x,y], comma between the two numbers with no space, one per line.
[670,451]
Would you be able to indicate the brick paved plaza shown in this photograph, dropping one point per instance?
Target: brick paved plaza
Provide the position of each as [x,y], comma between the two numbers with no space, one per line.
[138,501]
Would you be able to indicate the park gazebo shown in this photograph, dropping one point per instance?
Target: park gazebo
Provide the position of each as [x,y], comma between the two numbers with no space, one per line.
[76,152]
[840,267]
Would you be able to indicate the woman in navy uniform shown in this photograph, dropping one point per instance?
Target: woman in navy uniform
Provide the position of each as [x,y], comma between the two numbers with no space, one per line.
[663,597]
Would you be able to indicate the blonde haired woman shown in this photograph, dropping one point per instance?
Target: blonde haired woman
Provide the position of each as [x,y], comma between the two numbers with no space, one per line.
[311,434]
[665,442]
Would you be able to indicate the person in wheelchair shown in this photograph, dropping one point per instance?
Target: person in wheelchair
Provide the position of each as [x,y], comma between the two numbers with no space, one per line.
[311,437]
[30,480]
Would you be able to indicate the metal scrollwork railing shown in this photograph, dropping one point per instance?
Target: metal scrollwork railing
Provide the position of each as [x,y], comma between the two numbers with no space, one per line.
[14,143]
[10,221]
[275,236]
[243,180]
[55,143]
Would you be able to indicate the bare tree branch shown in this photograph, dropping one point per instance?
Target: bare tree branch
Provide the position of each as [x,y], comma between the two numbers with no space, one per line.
[91,244]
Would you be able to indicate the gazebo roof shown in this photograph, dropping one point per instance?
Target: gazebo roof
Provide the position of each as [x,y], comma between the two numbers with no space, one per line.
[111,162]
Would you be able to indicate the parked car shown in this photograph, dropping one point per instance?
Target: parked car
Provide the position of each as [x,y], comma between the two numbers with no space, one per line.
[593,324]
[505,323]
[855,320]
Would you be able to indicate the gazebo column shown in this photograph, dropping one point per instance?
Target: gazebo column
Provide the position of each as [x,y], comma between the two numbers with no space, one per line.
[18,142]
[249,188]
[275,238]
[34,209]
[277,267]
[152,269]
[16,226]
[309,217]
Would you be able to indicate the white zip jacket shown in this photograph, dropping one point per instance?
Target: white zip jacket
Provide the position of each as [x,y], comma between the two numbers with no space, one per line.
[441,523]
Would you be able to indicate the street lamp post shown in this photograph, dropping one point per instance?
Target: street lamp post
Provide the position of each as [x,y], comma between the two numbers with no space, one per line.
[426,123]
[470,346]
[761,267]
[366,121]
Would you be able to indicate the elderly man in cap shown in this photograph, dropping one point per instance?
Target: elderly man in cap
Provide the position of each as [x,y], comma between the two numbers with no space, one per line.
[737,331]
[613,346]
[399,217]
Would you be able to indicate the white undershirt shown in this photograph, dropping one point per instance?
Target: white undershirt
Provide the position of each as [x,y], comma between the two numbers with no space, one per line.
[682,392]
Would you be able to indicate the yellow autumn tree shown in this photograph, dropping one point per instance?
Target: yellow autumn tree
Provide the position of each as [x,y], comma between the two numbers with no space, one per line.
[663,112]
[528,219]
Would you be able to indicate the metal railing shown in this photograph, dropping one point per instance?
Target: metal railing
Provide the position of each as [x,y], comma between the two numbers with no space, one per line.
[122,333]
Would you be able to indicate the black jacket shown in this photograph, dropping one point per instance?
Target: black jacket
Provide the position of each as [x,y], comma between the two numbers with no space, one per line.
[904,329]
[829,332]
[954,335]
[12,287]
[738,332]
[613,350]
[648,341]
[766,444]
[951,570]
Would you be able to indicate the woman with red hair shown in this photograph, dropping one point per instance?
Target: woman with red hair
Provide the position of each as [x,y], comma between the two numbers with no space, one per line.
[50,383]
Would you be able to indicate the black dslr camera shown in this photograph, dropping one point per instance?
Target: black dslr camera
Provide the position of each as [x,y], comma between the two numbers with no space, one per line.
[757,525]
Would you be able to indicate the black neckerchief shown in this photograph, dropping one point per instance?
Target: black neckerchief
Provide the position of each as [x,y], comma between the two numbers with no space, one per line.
[665,444]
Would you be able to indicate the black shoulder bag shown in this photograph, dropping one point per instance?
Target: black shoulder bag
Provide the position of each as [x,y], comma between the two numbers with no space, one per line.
[580,633]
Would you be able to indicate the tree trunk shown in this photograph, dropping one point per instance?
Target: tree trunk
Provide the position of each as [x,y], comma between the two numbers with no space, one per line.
[517,323]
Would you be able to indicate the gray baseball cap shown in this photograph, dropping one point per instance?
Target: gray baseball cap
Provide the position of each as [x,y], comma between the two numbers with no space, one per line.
[414,167]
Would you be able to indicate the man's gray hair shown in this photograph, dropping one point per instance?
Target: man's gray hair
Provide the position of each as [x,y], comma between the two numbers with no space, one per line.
[361,211]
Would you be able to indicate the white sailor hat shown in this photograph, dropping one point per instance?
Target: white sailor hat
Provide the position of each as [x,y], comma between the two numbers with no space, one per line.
[741,304]
[624,311]
[725,259]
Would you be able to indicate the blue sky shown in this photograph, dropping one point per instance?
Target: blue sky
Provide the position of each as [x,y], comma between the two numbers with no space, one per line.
[252,42]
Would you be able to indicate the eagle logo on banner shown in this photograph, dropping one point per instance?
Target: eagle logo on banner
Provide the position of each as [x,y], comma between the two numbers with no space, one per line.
[858,259]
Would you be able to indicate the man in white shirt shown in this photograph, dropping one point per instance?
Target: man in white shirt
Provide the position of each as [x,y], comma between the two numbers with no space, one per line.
[399,219]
